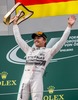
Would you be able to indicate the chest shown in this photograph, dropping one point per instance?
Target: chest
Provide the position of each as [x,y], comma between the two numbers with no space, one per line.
[36,54]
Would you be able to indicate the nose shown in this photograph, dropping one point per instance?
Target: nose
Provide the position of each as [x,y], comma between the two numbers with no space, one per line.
[35,40]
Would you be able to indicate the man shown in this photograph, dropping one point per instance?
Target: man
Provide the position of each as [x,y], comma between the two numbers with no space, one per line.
[37,58]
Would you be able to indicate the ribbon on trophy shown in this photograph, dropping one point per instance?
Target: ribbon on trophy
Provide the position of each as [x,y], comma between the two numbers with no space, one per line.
[23,13]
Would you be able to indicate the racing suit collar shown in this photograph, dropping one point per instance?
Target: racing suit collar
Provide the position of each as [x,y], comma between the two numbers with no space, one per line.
[37,48]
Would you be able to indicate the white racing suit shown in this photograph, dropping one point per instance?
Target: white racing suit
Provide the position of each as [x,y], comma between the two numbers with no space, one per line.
[36,62]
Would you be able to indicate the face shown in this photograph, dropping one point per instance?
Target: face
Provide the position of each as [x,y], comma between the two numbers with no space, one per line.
[39,41]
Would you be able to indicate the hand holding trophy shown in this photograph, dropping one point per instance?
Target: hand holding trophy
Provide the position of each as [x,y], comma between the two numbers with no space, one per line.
[23,14]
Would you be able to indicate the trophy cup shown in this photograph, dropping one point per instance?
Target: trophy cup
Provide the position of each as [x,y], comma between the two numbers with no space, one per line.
[23,14]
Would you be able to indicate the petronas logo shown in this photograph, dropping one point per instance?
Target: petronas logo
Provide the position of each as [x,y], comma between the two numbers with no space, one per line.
[4,75]
[51,89]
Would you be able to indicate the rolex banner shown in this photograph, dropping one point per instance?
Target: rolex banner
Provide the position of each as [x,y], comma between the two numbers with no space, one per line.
[44,8]
[60,77]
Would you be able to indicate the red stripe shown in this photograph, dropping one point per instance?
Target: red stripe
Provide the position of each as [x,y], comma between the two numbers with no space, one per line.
[33,2]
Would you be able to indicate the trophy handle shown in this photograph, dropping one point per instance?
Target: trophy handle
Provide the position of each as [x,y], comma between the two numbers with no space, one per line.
[20,14]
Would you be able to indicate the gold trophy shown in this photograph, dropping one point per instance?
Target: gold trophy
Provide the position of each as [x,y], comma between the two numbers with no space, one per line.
[23,14]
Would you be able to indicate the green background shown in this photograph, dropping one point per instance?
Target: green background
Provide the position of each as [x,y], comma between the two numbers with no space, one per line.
[63,74]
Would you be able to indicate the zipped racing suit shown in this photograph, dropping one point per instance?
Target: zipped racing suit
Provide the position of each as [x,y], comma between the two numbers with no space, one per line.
[36,61]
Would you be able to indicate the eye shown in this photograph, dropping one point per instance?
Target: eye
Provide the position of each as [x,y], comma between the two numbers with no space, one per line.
[37,37]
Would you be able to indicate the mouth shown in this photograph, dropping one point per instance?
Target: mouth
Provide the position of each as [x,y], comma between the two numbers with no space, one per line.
[36,42]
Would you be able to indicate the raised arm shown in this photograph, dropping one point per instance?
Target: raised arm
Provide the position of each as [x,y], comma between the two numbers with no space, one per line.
[61,42]
[22,43]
